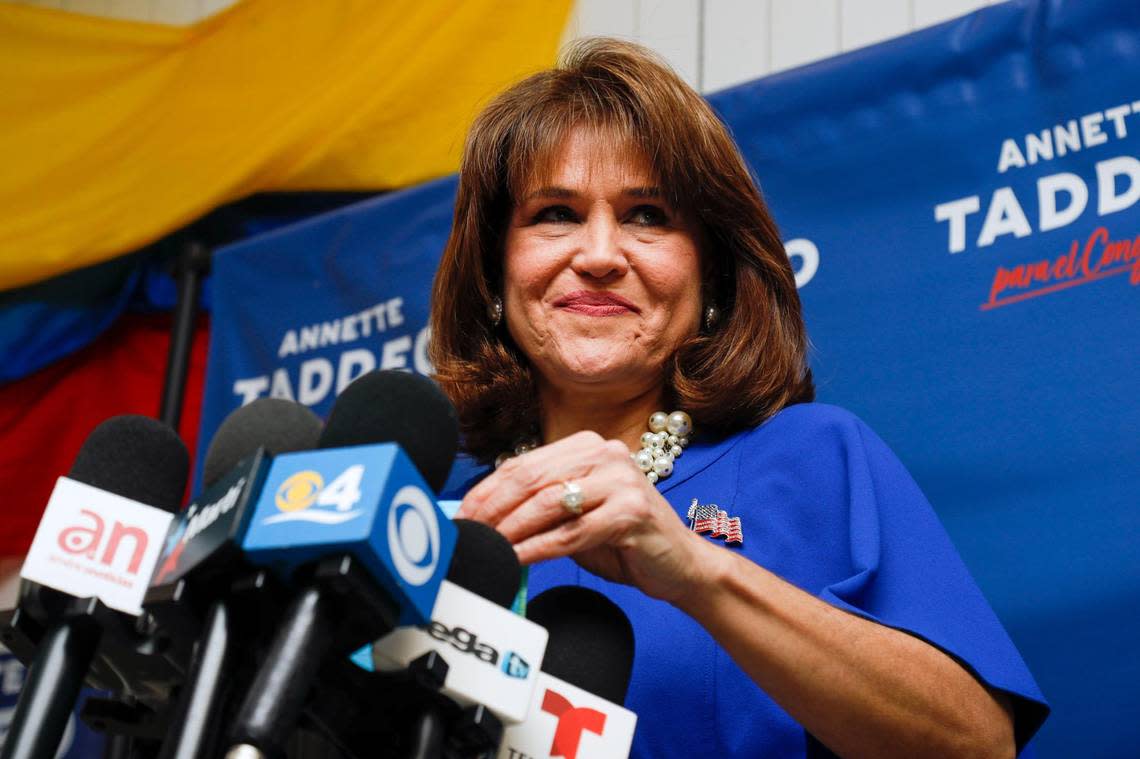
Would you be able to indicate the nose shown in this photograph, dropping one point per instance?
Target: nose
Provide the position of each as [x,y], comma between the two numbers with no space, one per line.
[601,255]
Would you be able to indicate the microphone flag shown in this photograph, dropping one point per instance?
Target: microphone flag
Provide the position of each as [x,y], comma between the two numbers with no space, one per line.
[493,655]
[207,533]
[91,542]
[366,500]
[571,723]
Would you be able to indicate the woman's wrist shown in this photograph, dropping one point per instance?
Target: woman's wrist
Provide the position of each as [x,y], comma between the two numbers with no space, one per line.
[712,570]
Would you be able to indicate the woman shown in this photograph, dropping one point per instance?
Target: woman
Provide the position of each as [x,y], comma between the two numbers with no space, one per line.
[612,259]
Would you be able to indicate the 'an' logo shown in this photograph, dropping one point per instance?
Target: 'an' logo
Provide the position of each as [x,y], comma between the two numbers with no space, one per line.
[85,540]
[572,720]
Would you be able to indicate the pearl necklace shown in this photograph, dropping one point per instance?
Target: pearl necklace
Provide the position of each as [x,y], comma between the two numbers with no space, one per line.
[666,439]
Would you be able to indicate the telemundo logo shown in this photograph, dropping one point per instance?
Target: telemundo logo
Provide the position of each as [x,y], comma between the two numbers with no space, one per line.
[413,535]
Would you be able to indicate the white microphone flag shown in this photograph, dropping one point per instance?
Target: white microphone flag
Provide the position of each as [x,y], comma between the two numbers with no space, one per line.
[568,722]
[94,543]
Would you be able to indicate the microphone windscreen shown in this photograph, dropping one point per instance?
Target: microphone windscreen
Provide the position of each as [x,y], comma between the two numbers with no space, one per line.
[135,457]
[278,425]
[398,407]
[485,563]
[591,640]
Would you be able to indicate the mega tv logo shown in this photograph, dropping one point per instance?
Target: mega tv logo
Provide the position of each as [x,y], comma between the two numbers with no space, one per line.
[460,638]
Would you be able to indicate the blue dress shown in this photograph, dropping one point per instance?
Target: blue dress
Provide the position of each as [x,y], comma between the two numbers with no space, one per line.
[824,504]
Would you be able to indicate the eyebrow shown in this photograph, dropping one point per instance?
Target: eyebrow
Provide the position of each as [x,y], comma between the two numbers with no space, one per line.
[565,192]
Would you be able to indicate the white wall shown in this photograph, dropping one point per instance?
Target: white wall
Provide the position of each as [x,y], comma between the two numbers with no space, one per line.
[712,43]
[718,43]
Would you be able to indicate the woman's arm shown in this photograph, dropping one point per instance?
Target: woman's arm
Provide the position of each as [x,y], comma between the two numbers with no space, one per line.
[862,689]
[859,687]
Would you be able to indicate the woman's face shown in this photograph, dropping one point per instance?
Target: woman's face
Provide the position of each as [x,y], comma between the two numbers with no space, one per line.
[602,278]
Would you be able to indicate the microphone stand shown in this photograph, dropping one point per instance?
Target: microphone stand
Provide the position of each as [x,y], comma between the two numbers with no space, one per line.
[193,264]
[52,687]
[55,635]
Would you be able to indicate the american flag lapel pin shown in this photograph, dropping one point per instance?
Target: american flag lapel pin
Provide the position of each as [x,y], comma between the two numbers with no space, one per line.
[709,519]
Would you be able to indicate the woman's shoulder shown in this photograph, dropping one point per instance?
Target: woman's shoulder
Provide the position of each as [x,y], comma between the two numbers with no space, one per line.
[807,442]
[814,415]
[807,424]
[811,439]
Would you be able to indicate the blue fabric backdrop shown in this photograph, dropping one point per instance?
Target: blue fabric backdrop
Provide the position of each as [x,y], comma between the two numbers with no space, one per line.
[963,208]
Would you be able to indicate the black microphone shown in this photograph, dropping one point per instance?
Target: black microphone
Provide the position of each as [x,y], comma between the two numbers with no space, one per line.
[591,640]
[398,407]
[485,564]
[585,675]
[127,464]
[406,707]
[341,606]
[275,424]
[203,559]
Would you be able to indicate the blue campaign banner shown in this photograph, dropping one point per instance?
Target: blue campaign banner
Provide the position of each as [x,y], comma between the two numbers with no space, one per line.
[302,311]
[969,198]
[962,206]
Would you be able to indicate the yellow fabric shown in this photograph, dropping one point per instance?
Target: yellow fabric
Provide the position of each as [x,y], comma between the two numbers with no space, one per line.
[113,133]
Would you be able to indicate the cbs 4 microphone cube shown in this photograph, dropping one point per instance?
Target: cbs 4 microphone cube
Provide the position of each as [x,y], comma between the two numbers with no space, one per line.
[366,500]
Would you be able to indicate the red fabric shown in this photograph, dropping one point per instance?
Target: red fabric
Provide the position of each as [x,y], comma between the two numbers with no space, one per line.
[46,416]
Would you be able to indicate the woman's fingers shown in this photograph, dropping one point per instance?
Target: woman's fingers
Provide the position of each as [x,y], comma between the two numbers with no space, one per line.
[615,488]
[572,536]
[521,477]
[544,510]
[610,480]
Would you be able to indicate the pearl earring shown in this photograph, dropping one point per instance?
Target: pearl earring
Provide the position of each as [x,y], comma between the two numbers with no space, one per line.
[712,316]
[495,311]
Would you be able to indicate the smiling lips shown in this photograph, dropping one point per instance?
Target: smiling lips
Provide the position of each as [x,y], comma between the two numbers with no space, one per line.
[594,303]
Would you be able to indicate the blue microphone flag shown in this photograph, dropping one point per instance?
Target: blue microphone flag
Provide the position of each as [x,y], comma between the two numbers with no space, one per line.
[366,500]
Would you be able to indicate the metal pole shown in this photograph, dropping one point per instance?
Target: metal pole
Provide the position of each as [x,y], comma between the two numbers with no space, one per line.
[193,264]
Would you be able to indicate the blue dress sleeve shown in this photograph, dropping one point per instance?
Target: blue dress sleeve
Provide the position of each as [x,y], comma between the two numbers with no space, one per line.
[900,568]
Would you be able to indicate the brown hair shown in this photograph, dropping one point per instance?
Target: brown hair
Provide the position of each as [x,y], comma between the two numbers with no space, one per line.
[749,366]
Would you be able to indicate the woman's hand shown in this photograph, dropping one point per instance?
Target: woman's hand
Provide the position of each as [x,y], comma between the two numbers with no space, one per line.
[861,688]
[626,532]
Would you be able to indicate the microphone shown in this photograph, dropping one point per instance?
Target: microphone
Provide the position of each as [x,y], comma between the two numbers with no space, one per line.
[356,528]
[93,551]
[585,674]
[204,542]
[493,655]
[484,562]
[275,424]
[591,640]
[202,558]
[398,407]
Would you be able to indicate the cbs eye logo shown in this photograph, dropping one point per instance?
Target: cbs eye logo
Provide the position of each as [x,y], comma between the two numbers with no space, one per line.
[301,491]
[413,535]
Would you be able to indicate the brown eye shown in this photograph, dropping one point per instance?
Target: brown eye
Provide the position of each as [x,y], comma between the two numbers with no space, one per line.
[555,215]
[648,216]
